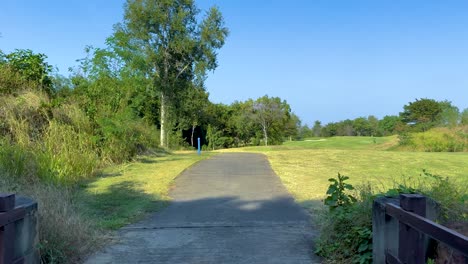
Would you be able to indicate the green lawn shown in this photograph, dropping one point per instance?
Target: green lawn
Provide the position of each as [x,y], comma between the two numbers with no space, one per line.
[124,193]
[305,166]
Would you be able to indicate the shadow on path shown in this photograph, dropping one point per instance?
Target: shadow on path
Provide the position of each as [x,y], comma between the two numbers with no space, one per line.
[231,208]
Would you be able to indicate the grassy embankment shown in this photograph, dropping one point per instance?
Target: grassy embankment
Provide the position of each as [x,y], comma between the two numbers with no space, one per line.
[125,193]
[305,166]
[72,219]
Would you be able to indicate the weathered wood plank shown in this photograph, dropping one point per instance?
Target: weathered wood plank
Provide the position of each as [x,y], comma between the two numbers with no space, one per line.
[7,239]
[12,216]
[411,242]
[7,202]
[445,235]
[390,259]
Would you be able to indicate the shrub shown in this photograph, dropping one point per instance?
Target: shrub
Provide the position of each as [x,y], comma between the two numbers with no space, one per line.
[65,156]
[437,140]
[11,81]
[346,228]
[16,161]
[122,136]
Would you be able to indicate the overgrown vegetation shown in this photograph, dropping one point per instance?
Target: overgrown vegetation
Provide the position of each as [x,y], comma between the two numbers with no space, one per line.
[440,139]
[56,132]
[346,227]
[144,90]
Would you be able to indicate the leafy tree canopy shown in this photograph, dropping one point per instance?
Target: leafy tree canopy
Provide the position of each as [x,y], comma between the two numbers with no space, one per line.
[422,112]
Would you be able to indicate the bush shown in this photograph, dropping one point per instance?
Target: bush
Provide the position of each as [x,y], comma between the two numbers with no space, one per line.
[123,136]
[11,81]
[437,140]
[65,156]
[346,228]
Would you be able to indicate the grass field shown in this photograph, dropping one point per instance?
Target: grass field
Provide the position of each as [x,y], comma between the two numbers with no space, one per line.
[305,166]
[124,193]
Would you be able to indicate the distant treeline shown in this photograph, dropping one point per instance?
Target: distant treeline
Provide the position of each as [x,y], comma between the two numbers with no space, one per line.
[418,116]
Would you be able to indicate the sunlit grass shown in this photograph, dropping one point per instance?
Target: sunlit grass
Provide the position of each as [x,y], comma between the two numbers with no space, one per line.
[126,192]
[305,166]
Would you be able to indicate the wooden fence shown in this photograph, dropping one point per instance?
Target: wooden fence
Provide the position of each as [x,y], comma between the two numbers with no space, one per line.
[402,233]
[18,230]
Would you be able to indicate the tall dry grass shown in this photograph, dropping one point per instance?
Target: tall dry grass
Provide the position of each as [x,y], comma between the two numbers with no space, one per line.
[65,236]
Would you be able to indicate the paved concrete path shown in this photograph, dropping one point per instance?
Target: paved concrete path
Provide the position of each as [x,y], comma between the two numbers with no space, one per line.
[231,208]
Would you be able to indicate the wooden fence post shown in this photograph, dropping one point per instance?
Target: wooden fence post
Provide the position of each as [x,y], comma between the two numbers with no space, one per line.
[7,232]
[384,231]
[411,242]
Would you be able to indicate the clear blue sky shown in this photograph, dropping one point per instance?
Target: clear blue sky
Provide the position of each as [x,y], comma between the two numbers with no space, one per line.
[330,60]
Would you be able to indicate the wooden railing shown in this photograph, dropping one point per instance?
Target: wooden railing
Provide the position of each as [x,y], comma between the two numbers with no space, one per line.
[402,232]
[8,216]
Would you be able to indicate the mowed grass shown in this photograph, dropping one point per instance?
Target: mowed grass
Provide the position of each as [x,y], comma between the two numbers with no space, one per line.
[305,166]
[125,193]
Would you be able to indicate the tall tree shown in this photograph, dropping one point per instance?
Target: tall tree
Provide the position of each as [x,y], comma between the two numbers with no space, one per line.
[292,126]
[271,114]
[164,39]
[449,115]
[192,109]
[423,113]
[373,124]
[388,124]
[362,126]
[464,117]
[317,128]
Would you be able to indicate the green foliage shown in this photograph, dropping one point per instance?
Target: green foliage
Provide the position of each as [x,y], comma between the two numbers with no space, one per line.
[317,129]
[173,63]
[388,125]
[271,115]
[449,114]
[65,156]
[337,198]
[346,234]
[12,82]
[423,113]
[346,230]
[26,68]
[464,117]
[437,140]
[451,197]
[405,138]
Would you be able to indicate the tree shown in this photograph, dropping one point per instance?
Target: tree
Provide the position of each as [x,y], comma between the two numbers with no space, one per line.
[388,124]
[163,39]
[362,126]
[329,130]
[271,114]
[192,109]
[292,126]
[449,114]
[464,117]
[423,113]
[374,125]
[345,128]
[306,132]
[30,67]
[317,128]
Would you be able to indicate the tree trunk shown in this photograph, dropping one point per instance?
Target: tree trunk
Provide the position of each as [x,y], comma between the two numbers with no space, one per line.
[163,120]
[265,135]
[193,130]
